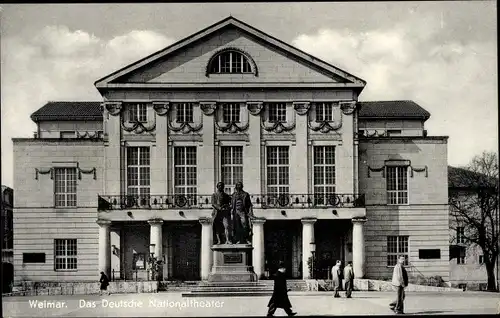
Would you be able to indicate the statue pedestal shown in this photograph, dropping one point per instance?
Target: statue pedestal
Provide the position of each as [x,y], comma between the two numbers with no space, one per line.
[232,263]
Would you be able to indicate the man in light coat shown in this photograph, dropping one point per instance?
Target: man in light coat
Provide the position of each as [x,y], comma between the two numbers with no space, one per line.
[337,278]
[399,281]
[349,279]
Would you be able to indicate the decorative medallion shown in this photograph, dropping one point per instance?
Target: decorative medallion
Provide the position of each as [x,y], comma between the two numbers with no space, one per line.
[161,108]
[424,169]
[254,108]
[301,107]
[87,134]
[348,107]
[44,171]
[138,127]
[376,170]
[86,171]
[114,108]
[232,127]
[325,127]
[208,108]
[185,127]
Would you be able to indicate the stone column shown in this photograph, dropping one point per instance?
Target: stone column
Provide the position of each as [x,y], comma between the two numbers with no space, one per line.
[307,239]
[258,246]
[358,247]
[104,247]
[206,245]
[155,237]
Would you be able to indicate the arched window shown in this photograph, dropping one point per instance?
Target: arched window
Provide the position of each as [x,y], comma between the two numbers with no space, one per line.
[230,61]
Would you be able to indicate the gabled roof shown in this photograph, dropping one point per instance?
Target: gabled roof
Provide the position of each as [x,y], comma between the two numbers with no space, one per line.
[90,111]
[352,81]
[392,109]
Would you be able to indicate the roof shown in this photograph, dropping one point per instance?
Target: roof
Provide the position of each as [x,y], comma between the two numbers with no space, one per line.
[392,109]
[352,81]
[90,111]
[462,178]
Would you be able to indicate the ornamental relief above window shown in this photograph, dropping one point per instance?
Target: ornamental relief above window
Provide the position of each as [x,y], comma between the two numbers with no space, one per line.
[327,116]
[185,117]
[231,117]
[278,117]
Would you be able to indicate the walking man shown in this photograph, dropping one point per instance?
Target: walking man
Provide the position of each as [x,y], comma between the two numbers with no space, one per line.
[349,279]
[400,281]
[279,299]
[337,278]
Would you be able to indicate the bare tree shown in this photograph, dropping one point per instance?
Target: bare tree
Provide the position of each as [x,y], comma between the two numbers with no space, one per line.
[473,199]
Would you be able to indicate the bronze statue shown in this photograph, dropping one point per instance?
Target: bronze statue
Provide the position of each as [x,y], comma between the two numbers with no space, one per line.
[221,214]
[241,208]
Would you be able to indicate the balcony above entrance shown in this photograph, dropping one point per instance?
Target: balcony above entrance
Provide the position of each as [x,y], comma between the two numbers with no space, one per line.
[282,206]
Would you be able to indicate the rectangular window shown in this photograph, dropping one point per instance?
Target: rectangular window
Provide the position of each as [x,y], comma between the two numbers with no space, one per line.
[461,259]
[324,112]
[324,174]
[231,112]
[67,134]
[397,185]
[278,176]
[397,246]
[65,253]
[277,112]
[429,253]
[139,174]
[460,235]
[185,172]
[138,112]
[231,166]
[184,112]
[481,259]
[33,258]
[65,187]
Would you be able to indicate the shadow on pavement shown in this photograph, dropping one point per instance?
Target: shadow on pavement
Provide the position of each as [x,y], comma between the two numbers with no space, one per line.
[429,312]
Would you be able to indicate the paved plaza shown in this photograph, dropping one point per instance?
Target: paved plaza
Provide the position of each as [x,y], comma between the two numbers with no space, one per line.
[170,304]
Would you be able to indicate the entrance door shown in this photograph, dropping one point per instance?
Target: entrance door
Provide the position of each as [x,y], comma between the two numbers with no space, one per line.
[329,244]
[278,245]
[186,252]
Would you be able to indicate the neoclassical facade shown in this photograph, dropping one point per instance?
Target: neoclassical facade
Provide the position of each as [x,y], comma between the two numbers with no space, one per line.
[107,183]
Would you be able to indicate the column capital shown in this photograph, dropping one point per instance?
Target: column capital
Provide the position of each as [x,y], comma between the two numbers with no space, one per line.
[359,220]
[308,220]
[259,220]
[155,222]
[205,220]
[103,223]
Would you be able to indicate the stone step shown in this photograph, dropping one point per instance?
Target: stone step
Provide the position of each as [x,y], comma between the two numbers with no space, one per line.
[227,294]
[236,284]
[232,289]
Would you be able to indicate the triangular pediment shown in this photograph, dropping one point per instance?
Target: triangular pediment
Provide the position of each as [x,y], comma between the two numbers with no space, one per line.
[185,63]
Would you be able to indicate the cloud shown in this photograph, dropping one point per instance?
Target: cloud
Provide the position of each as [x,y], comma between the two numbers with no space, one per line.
[456,82]
[57,63]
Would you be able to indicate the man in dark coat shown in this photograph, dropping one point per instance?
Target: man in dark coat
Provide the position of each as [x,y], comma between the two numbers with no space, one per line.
[104,280]
[279,299]
[221,214]
[349,279]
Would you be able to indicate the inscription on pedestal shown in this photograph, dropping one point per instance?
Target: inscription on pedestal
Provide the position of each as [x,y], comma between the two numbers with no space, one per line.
[233,258]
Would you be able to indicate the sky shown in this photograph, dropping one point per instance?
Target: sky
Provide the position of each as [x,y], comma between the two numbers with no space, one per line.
[442,55]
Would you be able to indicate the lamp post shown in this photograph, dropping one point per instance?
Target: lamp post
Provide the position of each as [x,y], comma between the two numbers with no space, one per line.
[313,252]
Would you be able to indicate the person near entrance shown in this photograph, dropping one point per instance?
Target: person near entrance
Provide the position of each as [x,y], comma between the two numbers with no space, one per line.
[222,213]
[349,279]
[241,207]
[279,299]
[104,280]
[400,281]
[337,278]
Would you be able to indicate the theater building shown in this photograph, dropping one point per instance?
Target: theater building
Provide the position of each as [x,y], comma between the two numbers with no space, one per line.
[103,183]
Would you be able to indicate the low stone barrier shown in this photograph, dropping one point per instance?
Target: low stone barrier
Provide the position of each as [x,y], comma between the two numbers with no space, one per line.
[380,285]
[84,288]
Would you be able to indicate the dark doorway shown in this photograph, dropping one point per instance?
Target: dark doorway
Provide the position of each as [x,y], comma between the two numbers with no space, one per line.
[329,239]
[186,251]
[278,237]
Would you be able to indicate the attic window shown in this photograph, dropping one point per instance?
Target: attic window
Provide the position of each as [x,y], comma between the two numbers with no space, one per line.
[230,61]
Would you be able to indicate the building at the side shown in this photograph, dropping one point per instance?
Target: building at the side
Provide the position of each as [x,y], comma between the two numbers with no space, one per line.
[7,238]
[105,183]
